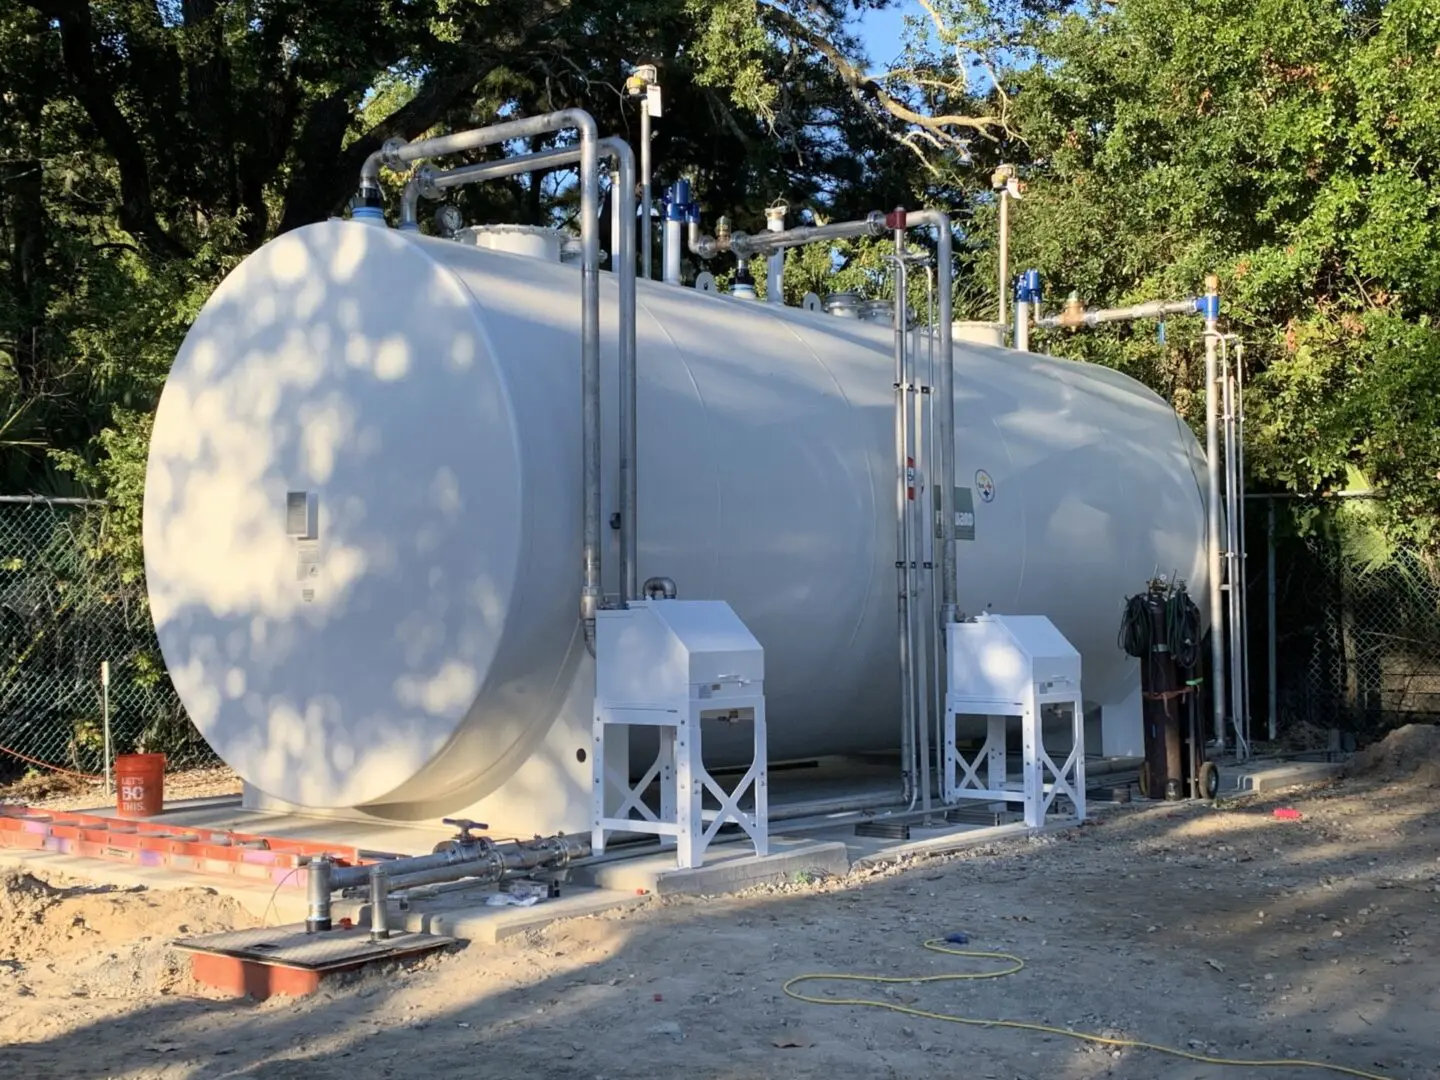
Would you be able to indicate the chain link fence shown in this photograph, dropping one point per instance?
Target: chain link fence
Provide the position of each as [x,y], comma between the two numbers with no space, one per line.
[1353,647]
[1354,637]
[65,610]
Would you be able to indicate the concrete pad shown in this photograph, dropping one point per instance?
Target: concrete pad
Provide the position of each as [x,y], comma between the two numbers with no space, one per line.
[957,839]
[464,915]
[1256,777]
[728,868]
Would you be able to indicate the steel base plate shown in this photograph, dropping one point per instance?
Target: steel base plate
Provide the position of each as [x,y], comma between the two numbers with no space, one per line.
[286,960]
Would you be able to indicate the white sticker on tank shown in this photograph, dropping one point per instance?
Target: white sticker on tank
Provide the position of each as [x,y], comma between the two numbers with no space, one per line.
[984,485]
[307,568]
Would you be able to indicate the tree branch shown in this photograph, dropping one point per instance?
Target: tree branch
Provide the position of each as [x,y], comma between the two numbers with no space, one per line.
[873,95]
[137,207]
[326,175]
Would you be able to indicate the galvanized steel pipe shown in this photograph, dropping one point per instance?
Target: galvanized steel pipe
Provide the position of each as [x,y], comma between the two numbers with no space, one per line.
[1212,510]
[468,857]
[1153,309]
[433,183]
[945,428]
[775,265]
[591,594]
[749,247]
[379,903]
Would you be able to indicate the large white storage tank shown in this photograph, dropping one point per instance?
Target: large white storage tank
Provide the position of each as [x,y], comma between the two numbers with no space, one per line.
[362,513]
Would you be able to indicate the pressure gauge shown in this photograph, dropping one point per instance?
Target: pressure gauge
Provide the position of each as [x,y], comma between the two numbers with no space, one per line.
[449,220]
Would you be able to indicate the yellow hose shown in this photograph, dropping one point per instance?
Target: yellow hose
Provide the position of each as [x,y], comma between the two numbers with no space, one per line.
[1016,964]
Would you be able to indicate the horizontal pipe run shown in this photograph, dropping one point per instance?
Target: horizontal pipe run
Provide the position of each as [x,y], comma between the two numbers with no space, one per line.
[432,183]
[1154,309]
[353,877]
[523,128]
[484,872]
[747,247]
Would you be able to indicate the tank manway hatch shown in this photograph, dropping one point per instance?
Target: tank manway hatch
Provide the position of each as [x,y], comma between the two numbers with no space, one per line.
[675,666]
[1012,667]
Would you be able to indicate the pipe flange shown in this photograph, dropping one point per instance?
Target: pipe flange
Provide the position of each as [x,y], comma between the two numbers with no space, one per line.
[390,152]
[425,177]
[875,222]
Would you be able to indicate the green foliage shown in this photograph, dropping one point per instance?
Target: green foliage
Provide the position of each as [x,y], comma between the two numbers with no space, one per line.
[1288,145]
[149,148]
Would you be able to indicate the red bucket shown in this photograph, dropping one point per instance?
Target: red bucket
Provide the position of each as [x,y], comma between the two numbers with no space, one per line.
[140,784]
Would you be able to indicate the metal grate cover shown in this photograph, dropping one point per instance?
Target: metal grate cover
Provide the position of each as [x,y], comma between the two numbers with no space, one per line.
[291,946]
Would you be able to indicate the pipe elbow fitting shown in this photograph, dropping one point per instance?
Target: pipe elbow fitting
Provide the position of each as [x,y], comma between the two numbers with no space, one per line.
[659,588]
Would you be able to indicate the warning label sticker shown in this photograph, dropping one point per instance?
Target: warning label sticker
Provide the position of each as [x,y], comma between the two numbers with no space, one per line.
[964,515]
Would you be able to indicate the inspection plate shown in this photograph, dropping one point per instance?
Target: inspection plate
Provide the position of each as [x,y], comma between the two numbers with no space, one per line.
[290,946]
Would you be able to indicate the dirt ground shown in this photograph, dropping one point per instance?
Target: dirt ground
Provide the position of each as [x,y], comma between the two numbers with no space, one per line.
[67,791]
[1221,930]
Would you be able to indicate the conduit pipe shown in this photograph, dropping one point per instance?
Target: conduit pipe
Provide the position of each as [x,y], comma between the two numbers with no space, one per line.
[904,552]
[897,223]
[396,152]
[877,224]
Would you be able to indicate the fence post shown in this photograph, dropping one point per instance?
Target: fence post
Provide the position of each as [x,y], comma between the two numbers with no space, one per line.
[105,719]
[1270,629]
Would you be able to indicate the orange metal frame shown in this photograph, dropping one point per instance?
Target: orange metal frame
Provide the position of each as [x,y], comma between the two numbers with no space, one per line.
[270,859]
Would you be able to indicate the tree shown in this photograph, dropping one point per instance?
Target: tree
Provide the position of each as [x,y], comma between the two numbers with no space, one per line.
[157,143]
[1289,145]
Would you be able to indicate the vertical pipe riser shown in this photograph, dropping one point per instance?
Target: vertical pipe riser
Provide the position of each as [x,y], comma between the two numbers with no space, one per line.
[1270,634]
[902,532]
[317,896]
[1213,512]
[1004,252]
[646,202]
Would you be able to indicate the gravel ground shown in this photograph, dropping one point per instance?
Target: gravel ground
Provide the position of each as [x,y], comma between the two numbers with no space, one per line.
[1220,930]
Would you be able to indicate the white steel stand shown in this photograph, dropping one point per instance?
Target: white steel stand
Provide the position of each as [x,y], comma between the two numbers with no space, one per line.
[669,665]
[1007,667]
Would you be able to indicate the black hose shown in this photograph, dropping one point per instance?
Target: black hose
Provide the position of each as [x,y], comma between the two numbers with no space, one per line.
[1182,627]
[1134,635]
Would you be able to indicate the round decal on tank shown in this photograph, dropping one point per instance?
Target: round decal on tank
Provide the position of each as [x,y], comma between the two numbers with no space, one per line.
[984,485]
